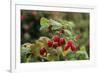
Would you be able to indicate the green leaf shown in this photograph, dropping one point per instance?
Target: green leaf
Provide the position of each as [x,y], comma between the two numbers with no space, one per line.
[81,55]
[82,48]
[71,24]
[55,25]
[44,27]
[25,50]
[68,34]
[64,23]
[67,24]
[52,55]
[71,56]
[44,22]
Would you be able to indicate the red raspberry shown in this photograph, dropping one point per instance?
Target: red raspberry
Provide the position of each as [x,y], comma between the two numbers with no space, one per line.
[50,43]
[66,47]
[56,38]
[43,51]
[55,43]
[73,47]
[70,42]
[59,44]
[62,41]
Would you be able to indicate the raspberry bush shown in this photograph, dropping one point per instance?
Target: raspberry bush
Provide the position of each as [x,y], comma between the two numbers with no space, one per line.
[53,36]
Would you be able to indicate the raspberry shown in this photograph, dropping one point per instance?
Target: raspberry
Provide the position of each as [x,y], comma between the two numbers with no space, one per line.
[50,43]
[59,44]
[70,42]
[56,38]
[73,47]
[43,51]
[66,47]
[55,44]
[62,41]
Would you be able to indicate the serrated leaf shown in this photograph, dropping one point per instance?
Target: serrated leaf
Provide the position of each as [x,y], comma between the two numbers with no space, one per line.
[71,23]
[44,27]
[67,24]
[68,34]
[55,25]
[44,22]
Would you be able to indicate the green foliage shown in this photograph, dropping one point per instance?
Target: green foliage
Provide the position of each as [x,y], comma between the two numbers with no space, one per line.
[44,21]
[71,56]
[82,54]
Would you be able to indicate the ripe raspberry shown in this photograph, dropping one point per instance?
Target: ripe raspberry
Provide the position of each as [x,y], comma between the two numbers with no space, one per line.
[55,44]
[62,41]
[43,51]
[50,43]
[73,47]
[66,47]
[56,38]
[70,42]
